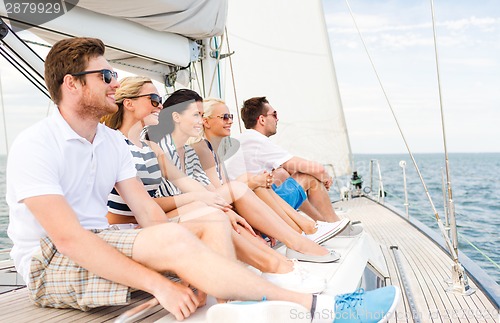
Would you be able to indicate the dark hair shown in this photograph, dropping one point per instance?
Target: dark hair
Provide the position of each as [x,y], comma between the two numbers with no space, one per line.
[176,102]
[252,109]
[69,56]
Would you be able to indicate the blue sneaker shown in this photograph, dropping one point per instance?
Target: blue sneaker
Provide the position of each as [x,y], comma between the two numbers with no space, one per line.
[374,306]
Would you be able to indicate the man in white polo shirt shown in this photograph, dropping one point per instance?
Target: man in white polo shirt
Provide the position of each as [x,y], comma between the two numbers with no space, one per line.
[305,184]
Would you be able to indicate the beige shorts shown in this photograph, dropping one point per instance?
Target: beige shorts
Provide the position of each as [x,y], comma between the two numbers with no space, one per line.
[57,281]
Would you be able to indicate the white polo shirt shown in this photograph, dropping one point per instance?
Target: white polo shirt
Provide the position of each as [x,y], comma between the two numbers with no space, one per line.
[255,154]
[50,158]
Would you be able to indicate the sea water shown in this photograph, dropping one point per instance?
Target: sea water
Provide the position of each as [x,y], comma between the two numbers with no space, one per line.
[475,194]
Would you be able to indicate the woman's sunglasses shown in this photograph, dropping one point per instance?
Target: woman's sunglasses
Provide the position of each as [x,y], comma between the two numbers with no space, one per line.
[155,98]
[107,75]
[226,116]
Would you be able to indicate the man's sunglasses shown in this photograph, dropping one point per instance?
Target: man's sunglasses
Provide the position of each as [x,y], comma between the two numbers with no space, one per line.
[155,98]
[107,75]
[274,114]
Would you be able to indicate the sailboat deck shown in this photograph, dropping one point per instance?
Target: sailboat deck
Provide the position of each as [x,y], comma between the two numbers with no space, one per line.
[426,267]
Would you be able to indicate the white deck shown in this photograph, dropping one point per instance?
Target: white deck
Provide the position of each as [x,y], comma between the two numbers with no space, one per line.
[425,264]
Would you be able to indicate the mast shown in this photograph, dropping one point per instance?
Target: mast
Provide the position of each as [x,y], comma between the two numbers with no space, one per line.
[459,281]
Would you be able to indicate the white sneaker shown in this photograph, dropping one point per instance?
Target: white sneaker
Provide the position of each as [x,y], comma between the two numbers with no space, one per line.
[327,230]
[298,280]
[331,256]
[261,312]
[351,231]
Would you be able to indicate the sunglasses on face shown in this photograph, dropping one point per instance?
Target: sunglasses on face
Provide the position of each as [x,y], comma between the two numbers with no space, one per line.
[274,114]
[155,98]
[107,75]
[226,116]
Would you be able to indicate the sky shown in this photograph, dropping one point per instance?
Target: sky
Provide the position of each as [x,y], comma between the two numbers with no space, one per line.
[399,37]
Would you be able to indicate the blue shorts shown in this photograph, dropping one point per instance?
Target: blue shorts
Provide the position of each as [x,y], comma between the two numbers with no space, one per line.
[291,192]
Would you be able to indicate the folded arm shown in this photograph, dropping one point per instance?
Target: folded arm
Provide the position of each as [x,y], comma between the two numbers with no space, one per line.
[315,169]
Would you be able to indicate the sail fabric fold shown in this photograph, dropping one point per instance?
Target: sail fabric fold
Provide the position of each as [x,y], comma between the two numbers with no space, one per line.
[195,19]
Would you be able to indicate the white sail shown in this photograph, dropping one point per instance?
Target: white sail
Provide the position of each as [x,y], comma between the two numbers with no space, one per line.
[287,58]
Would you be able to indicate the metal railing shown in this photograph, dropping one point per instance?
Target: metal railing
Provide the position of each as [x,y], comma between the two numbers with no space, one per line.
[380,190]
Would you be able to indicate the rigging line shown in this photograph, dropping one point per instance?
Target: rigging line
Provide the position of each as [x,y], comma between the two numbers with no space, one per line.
[23,72]
[12,57]
[232,79]
[20,58]
[218,50]
[3,117]
[216,68]
[203,78]
[436,215]
[423,213]
[11,32]
[121,50]
[36,43]
[479,250]
[197,77]
[451,208]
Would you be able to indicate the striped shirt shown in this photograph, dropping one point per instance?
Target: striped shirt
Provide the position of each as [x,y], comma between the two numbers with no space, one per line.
[191,162]
[148,171]
[217,163]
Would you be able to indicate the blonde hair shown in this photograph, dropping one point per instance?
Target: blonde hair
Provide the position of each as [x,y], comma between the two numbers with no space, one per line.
[208,108]
[129,87]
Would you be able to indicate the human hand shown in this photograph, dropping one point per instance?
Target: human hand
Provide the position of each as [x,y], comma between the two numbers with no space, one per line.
[177,299]
[201,296]
[235,218]
[265,179]
[214,200]
[328,182]
[272,241]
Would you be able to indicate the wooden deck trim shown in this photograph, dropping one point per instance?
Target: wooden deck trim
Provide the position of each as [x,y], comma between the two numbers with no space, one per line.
[16,307]
[426,265]
[475,273]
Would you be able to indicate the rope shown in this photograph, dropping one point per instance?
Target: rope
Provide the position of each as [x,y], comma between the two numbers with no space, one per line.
[451,208]
[422,212]
[436,215]
[234,84]
[197,77]
[4,118]
[216,50]
[479,250]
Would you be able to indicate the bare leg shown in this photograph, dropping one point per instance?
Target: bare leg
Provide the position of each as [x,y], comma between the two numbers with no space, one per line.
[265,196]
[253,252]
[305,223]
[209,225]
[190,211]
[263,218]
[199,218]
[170,247]
[320,208]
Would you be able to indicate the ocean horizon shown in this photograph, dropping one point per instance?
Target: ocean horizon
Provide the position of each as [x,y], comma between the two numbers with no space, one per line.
[475,194]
